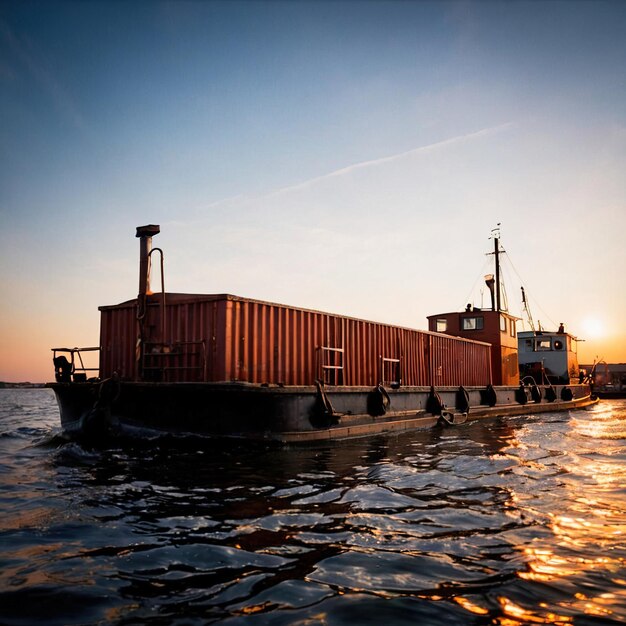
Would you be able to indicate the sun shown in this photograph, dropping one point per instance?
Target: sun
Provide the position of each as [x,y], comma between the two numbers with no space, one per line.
[593,328]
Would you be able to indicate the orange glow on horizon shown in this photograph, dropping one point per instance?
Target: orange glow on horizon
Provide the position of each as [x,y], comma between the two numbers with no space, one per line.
[610,348]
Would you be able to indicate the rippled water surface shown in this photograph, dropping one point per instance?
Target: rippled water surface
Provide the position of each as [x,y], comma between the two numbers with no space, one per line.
[517,521]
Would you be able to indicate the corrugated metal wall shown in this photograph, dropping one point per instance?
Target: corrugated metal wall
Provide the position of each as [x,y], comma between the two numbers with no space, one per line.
[118,337]
[223,338]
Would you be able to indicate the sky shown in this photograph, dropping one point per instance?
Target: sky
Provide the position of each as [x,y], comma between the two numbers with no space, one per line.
[350,157]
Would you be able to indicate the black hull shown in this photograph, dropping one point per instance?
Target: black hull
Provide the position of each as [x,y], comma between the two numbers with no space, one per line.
[288,414]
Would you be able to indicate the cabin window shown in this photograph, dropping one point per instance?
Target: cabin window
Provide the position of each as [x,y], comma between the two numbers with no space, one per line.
[472,323]
[502,324]
[542,345]
[512,328]
[441,325]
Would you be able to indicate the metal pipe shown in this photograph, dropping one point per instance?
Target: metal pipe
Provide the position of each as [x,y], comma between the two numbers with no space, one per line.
[162,290]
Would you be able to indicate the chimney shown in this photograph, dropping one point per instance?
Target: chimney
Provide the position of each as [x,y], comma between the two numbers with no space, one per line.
[145,234]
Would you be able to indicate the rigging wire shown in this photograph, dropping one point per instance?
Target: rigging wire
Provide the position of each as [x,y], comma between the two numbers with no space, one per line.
[486,268]
[507,269]
[505,279]
[504,305]
[535,303]
[480,277]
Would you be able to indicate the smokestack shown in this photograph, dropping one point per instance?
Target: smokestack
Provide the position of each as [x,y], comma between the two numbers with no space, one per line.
[145,234]
[490,282]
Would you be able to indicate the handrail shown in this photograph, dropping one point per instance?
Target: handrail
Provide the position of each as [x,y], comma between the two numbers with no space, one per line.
[323,366]
[66,370]
[162,291]
[386,364]
[174,351]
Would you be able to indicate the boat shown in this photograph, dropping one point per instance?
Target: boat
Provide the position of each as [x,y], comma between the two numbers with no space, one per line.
[608,381]
[220,365]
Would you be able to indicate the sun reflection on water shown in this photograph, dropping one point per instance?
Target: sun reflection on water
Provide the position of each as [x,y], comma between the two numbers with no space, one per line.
[470,606]
[591,524]
[515,615]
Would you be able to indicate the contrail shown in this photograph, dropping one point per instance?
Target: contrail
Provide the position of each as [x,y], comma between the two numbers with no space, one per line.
[362,165]
[393,157]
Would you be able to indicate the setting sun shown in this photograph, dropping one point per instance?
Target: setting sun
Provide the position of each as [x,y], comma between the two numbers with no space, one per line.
[593,328]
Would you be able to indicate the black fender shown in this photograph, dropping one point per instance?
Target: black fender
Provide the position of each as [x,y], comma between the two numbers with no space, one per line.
[462,400]
[434,404]
[488,396]
[520,395]
[378,401]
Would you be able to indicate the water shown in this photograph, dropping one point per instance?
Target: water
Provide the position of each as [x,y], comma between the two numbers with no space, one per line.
[504,522]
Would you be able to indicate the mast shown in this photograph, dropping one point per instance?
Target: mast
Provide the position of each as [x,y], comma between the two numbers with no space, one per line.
[497,305]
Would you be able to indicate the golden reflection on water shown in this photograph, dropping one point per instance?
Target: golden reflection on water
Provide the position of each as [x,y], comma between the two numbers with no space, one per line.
[593,522]
[514,615]
[470,606]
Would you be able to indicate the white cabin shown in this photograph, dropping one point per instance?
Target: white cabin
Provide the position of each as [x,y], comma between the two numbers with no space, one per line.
[548,356]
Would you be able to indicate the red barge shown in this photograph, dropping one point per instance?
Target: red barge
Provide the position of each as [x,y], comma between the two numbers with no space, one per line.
[226,366]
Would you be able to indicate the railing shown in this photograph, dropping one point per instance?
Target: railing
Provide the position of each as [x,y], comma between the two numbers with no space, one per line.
[390,370]
[161,361]
[330,365]
[73,370]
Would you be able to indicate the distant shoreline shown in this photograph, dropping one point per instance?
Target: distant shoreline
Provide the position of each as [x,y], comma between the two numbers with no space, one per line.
[25,385]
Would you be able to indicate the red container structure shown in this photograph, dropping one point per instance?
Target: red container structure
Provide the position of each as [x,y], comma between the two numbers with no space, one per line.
[223,338]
